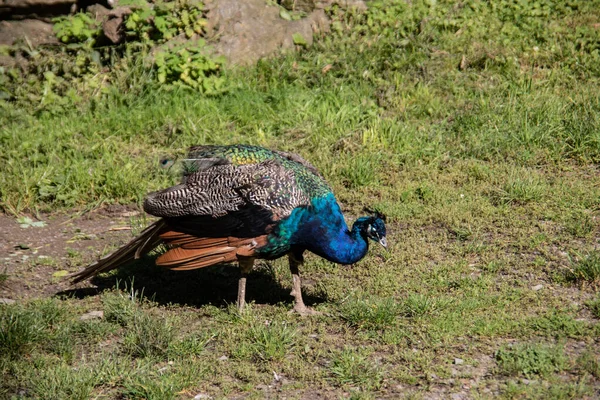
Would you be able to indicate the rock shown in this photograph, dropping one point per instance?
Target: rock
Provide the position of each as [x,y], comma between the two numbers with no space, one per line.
[92,315]
[7,301]
[202,396]
[113,24]
[458,361]
[223,358]
[358,5]
[250,30]
[537,287]
[18,9]
[35,31]
[299,5]
[34,8]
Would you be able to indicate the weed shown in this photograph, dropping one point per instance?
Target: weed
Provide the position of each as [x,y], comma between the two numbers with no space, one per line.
[586,269]
[417,305]
[558,390]
[78,28]
[521,190]
[370,314]
[594,306]
[190,67]
[352,367]
[531,359]
[190,346]
[148,336]
[121,307]
[20,330]
[272,340]
[165,20]
[559,324]
[590,363]
[580,224]
[61,382]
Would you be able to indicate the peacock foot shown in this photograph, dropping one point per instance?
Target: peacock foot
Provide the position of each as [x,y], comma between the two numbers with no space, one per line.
[304,311]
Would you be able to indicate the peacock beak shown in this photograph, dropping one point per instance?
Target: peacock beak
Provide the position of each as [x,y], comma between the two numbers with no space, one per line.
[383,242]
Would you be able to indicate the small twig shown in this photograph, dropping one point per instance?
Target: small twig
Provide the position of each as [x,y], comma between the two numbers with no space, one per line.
[120,228]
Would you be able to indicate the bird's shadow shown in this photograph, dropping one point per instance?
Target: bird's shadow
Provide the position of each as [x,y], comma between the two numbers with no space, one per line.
[216,285]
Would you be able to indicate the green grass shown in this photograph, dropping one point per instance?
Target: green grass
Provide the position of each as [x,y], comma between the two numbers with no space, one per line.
[594,306]
[586,269]
[351,367]
[372,314]
[473,125]
[530,360]
[19,331]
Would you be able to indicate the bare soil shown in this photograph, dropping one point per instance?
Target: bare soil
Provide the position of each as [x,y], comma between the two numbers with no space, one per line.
[32,256]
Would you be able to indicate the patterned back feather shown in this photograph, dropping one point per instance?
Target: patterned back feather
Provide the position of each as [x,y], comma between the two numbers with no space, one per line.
[219,180]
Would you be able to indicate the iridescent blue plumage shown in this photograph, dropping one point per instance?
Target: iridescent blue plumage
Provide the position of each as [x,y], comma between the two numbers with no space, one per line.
[320,229]
[239,203]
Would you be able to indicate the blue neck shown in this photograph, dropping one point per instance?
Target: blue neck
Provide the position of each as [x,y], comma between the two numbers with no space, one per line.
[322,230]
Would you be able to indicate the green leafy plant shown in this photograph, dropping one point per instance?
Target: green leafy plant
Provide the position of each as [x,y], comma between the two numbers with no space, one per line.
[139,23]
[79,28]
[190,67]
[531,359]
[26,222]
[165,20]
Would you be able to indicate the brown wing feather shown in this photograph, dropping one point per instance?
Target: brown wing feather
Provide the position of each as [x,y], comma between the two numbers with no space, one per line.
[191,252]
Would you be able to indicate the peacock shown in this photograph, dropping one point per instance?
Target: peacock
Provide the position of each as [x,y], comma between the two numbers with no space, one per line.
[239,203]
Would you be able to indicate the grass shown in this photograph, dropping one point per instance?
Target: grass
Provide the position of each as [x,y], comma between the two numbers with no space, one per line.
[372,314]
[586,269]
[351,367]
[474,126]
[531,359]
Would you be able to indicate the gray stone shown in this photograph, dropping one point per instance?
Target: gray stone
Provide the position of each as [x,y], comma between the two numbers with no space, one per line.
[250,30]
[299,5]
[98,314]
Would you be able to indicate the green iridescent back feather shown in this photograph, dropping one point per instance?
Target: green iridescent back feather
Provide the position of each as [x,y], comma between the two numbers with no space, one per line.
[308,179]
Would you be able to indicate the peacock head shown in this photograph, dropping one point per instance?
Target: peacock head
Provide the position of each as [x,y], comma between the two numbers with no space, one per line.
[373,228]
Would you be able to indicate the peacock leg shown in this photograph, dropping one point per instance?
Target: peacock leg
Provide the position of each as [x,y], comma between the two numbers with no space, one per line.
[246,265]
[296,292]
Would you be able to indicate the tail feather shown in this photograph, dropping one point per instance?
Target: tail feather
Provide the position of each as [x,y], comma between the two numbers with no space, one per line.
[184,252]
[146,241]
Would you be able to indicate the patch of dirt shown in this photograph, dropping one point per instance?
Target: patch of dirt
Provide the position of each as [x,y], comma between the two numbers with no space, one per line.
[33,32]
[31,256]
